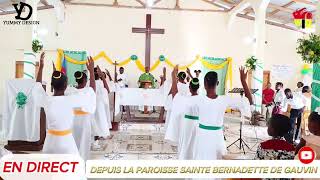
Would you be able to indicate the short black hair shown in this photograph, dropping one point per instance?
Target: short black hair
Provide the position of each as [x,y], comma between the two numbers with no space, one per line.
[194,84]
[305,89]
[287,90]
[80,77]
[279,84]
[121,68]
[211,79]
[182,75]
[58,81]
[280,125]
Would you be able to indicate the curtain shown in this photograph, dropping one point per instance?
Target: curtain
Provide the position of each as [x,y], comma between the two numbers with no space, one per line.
[221,75]
[72,68]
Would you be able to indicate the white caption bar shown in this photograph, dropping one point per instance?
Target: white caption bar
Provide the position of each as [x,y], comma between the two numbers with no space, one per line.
[202,169]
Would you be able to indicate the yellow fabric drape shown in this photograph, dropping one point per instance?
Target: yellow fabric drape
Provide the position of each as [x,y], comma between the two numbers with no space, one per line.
[220,66]
[141,67]
[101,55]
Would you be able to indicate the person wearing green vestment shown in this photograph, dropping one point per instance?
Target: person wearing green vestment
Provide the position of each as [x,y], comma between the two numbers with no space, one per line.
[147,77]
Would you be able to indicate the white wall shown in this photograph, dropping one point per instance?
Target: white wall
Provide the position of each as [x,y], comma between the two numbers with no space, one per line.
[187,34]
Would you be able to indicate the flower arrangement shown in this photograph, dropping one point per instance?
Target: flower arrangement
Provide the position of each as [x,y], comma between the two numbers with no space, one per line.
[309,49]
[251,63]
[36,46]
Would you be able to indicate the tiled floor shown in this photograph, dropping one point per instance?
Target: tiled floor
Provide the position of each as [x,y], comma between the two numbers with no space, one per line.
[144,141]
[137,141]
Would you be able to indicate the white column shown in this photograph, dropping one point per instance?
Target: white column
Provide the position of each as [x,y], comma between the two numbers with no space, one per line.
[260,8]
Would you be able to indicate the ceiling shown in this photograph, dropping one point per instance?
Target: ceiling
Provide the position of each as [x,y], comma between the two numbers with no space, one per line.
[279,12]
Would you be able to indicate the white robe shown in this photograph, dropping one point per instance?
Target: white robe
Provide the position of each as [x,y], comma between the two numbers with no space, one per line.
[210,144]
[183,90]
[102,123]
[188,128]
[82,124]
[178,108]
[21,123]
[60,116]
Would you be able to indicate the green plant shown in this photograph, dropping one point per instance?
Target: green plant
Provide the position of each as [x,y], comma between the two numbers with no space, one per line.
[36,46]
[251,63]
[309,48]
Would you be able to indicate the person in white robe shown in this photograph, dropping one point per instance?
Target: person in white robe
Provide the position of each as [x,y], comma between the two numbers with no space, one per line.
[183,89]
[21,114]
[20,118]
[102,123]
[279,98]
[59,111]
[82,120]
[183,123]
[122,78]
[189,123]
[209,142]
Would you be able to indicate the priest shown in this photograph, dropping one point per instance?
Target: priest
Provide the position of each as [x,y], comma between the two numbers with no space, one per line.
[147,80]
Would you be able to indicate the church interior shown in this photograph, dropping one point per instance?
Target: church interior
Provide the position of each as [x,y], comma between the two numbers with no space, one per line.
[134,47]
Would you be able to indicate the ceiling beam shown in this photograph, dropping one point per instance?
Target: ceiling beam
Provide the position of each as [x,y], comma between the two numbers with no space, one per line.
[305,2]
[14,12]
[271,23]
[44,2]
[214,4]
[156,2]
[278,10]
[274,6]
[140,7]
[142,3]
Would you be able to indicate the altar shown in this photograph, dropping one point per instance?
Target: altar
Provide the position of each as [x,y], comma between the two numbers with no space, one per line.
[140,97]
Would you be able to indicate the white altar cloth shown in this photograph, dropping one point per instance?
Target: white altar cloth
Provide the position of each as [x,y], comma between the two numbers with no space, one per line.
[140,97]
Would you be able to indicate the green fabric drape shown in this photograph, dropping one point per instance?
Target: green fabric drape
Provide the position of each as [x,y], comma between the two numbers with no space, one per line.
[221,75]
[72,68]
[315,86]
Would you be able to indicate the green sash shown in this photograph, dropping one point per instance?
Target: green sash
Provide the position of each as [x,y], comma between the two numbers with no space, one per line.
[211,128]
[195,118]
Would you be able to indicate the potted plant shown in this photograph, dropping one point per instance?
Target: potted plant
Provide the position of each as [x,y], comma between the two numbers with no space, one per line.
[251,63]
[36,46]
[309,50]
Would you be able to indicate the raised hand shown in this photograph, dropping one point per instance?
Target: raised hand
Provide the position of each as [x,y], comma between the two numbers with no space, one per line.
[107,72]
[175,72]
[188,71]
[54,66]
[90,64]
[100,74]
[42,56]
[243,74]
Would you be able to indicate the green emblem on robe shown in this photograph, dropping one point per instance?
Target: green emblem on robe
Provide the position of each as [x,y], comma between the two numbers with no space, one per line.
[147,77]
[21,100]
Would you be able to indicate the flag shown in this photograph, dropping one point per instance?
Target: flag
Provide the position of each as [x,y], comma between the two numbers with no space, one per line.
[64,66]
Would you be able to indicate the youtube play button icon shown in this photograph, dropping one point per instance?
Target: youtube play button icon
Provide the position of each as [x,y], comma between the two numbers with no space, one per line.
[306,155]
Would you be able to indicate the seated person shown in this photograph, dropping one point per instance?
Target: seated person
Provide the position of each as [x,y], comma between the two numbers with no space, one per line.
[276,148]
[313,139]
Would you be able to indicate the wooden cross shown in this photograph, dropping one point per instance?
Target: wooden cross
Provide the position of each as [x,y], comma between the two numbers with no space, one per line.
[148,31]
